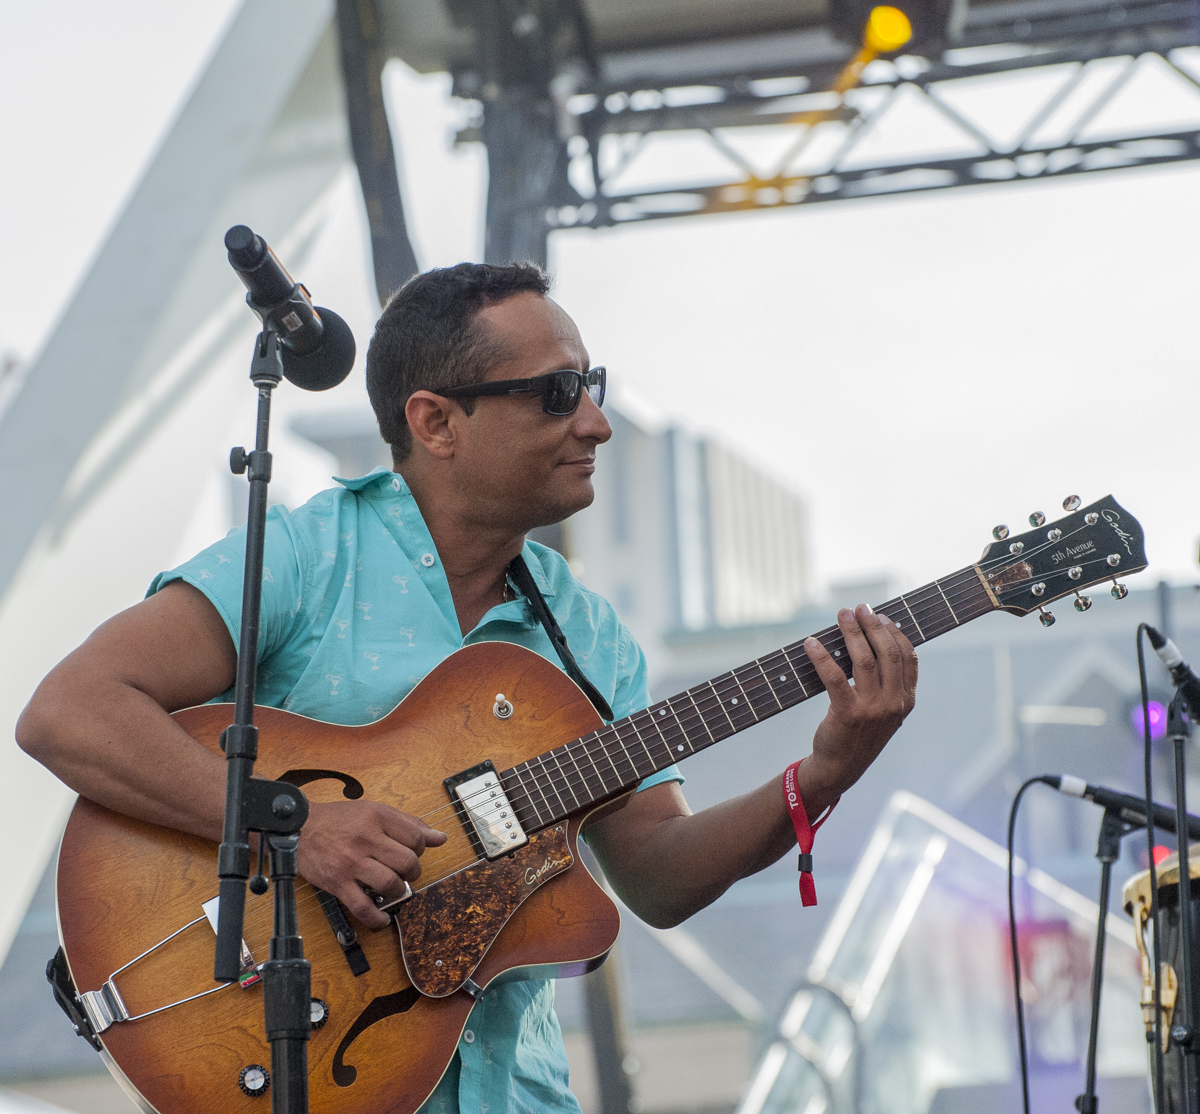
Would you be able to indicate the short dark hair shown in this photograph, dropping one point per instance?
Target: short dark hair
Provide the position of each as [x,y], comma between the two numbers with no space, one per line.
[427,338]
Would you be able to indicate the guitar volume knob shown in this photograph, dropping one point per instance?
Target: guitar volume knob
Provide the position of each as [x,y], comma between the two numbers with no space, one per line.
[254,1080]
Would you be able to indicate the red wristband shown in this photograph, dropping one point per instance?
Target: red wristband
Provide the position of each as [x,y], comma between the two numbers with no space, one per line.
[804,832]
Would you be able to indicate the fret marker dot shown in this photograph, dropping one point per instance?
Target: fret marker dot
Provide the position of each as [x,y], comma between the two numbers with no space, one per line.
[837,653]
[782,677]
[662,711]
[734,700]
[680,748]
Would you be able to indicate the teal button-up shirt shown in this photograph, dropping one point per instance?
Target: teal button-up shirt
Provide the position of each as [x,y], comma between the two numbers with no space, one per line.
[356,609]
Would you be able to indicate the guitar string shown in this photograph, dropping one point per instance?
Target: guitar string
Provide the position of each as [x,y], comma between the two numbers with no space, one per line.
[926,602]
[907,600]
[704,709]
[751,690]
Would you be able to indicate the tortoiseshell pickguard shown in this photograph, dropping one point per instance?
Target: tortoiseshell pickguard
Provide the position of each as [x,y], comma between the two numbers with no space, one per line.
[446,929]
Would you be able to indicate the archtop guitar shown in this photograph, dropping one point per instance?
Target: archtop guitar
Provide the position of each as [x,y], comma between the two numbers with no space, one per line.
[512,779]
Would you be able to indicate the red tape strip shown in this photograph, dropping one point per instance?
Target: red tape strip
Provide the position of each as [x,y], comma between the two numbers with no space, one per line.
[804,831]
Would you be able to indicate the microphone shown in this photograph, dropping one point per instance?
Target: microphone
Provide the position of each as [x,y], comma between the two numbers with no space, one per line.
[1181,673]
[316,345]
[1130,808]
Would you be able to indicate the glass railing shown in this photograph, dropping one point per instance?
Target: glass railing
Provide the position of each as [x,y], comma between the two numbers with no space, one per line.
[910,989]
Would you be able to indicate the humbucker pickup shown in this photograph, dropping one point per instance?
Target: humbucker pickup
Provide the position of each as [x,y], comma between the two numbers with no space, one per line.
[482,797]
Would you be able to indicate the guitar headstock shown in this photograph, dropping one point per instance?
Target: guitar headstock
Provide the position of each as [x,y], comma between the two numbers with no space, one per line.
[1055,559]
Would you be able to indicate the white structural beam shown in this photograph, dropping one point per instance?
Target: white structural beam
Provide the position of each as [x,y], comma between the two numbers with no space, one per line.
[162,270]
[100,467]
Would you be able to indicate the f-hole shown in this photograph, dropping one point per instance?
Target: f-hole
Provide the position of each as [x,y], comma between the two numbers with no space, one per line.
[351,787]
[380,1008]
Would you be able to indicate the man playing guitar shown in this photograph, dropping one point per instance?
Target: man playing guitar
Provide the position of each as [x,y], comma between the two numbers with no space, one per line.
[484,390]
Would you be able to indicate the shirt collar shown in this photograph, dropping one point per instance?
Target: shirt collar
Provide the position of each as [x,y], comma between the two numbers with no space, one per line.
[392,484]
[375,476]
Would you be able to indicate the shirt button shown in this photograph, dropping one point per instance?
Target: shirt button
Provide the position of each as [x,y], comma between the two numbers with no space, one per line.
[427,559]
[396,484]
[468,1036]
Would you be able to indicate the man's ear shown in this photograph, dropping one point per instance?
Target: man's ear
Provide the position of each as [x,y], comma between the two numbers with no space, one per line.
[431,420]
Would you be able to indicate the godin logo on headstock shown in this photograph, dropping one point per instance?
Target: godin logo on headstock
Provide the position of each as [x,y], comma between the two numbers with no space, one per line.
[1111,518]
[1073,552]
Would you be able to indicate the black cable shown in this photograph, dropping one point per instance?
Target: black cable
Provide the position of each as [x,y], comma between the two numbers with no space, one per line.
[1159,1104]
[1012,935]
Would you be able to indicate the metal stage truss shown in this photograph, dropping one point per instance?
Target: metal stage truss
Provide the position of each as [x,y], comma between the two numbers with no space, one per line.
[570,93]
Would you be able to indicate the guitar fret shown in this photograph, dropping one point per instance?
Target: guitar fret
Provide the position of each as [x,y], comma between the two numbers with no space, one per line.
[625,752]
[538,787]
[580,772]
[720,704]
[795,671]
[703,724]
[565,776]
[938,583]
[920,633]
[770,687]
[541,761]
[642,743]
[516,770]
[742,690]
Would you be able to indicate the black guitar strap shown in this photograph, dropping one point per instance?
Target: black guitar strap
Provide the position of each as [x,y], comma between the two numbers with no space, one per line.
[523,579]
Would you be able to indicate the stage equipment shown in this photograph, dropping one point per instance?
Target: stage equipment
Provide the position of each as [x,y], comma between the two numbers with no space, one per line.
[483,912]
[1138,899]
[565,95]
[1186,682]
[1128,807]
[315,345]
[314,348]
[1123,813]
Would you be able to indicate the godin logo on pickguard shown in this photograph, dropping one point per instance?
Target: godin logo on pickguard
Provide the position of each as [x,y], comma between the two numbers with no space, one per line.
[1111,518]
[535,874]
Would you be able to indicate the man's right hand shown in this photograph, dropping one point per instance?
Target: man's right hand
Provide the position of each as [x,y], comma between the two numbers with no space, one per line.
[346,845]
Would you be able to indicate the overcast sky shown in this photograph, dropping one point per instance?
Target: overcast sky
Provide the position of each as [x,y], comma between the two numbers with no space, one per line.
[919,368]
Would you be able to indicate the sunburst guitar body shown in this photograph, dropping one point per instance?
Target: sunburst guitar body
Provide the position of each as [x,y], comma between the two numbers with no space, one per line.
[125,886]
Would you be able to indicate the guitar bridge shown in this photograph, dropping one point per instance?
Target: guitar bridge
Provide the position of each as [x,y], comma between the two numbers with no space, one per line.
[492,819]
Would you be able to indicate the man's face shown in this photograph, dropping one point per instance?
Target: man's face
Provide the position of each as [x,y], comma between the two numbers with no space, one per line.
[516,464]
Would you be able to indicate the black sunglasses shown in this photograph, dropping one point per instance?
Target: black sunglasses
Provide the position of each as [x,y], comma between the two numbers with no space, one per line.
[560,390]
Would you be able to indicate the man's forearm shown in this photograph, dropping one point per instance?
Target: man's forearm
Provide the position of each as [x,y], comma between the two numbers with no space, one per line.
[114,745]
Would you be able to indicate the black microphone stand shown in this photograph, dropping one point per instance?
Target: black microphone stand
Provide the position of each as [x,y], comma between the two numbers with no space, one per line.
[1186,1035]
[1108,849]
[274,809]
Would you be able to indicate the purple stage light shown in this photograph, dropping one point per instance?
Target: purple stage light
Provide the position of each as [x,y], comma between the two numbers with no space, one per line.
[1158,719]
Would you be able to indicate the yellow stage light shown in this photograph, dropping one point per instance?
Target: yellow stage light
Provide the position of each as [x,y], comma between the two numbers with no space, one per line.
[887,29]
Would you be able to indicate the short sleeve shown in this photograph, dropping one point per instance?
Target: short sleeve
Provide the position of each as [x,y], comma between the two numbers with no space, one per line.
[217,572]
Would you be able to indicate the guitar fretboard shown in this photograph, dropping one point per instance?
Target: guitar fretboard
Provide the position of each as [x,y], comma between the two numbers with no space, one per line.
[572,777]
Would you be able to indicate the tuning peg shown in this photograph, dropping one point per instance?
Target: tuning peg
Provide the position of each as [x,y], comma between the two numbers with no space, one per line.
[1039,589]
[1072,503]
[1082,603]
[1118,591]
[1091,518]
[1053,535]
[1075,572]
[999,533]
[1037,518]
[1046,618]
[1016,547]
[1113,559]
